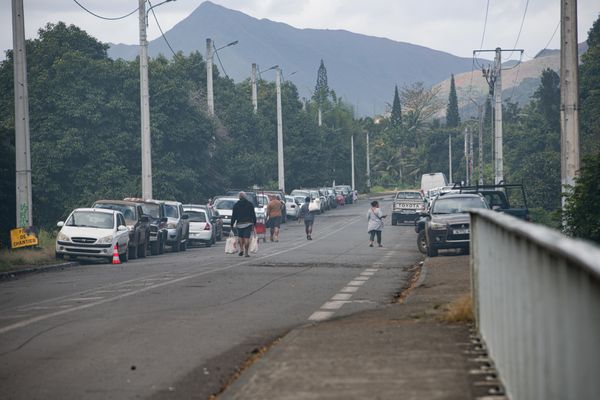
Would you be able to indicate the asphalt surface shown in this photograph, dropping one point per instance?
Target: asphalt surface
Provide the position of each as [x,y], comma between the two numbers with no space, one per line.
[180,325]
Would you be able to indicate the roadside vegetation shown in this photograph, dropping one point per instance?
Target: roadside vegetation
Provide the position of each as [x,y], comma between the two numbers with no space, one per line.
[29,256]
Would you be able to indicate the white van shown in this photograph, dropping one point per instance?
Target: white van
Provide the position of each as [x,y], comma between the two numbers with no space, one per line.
[432,180]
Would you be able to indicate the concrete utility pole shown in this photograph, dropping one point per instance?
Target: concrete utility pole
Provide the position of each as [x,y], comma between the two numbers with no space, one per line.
[494,79]
[450,156]
[352,155]
[280,167]
[471,156]
[22,144]
[499,162]
[368,166]
[569,102]
[145,106]
[209,77]
[320,116]
[254,89]
[467,156]
[480,112]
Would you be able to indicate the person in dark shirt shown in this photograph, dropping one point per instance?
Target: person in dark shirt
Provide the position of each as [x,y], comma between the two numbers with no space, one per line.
[243,219]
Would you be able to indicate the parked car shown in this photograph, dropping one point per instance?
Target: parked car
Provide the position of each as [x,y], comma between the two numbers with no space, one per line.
[155,210]
[224,206]
[93,232]
[314,196]
[215,218]
[448,221]
[292,206]
[405,206]
[201,229]
[178,226]
[137,223]
[347,192]
[507,198]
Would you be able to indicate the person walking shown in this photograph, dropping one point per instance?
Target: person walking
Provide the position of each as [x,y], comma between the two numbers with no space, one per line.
[274,217]
[375,223]
[308,217]
[243,218]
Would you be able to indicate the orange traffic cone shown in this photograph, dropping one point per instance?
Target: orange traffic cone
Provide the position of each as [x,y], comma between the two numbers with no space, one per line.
[116,259]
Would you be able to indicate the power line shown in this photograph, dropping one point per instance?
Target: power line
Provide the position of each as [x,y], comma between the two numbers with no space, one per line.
[475,61]
[102,17]
[161,31]
[219,58]
[487,8]
[520,29]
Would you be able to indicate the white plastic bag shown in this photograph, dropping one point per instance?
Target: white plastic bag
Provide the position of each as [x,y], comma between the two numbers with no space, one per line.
[314,206]
[231,244]
[253,243]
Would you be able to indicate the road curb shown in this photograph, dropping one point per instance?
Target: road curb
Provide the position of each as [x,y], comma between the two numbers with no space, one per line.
[36,269]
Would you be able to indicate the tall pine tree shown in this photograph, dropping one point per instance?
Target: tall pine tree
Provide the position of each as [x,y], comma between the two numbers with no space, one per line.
[396,118]
[321,88]
[452,117]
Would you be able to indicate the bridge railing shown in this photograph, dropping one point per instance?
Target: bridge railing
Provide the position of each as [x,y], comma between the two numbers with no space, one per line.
[536,296]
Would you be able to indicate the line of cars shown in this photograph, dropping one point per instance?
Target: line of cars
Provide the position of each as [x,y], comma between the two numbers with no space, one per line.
[442,219]
[135,227]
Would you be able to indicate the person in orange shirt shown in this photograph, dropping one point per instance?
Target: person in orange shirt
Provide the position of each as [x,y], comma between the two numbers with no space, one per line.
[274,217]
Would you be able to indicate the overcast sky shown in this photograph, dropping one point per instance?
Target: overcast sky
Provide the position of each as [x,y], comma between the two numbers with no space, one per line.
[454,26]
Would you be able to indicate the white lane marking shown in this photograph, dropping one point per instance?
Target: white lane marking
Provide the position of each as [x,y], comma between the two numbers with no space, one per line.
[356,283]
[54,307]
[342,296]
[362,278]
[333,305]
[84,298]
[367,273]
[320,316]
[33,320]
[349,289]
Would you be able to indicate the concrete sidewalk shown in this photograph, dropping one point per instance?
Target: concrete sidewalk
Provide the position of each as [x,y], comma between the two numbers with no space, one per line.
[402,351]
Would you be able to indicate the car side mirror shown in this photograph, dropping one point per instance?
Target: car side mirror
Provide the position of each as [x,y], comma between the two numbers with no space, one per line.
[121,228]
[144,219]
[185,216]
[60,224]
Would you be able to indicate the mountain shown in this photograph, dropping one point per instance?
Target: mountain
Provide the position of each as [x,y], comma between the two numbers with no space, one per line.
[361,69]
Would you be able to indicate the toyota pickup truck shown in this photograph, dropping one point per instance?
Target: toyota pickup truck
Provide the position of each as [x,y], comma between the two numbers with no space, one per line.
[406,205]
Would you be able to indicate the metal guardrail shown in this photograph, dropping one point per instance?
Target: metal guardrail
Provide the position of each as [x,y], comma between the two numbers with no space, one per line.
[536,296]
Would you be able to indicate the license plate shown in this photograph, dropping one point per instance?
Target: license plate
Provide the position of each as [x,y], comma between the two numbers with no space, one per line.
[460,231]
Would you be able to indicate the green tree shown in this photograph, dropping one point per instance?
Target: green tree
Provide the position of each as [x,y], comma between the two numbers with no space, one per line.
[452,116]
[581,212]
[322,87]
[396,117]
[589,85]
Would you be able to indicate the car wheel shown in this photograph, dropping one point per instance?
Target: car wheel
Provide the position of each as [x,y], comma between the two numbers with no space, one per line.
[431,251]
[155,247]
[209,243]
[133,250]
[125,256]
[142,249]
[59,256]
[422,242]
[74,258]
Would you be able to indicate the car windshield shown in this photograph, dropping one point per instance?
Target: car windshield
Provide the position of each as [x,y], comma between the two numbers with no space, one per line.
[171,211]
[196,216]
[127,211]
[408,195]
[299,199]
[457,205]
[224,204]
[90,219]
[152,210]
[262,200]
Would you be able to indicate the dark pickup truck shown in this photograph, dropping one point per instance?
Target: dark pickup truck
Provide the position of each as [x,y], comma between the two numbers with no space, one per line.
[507,198]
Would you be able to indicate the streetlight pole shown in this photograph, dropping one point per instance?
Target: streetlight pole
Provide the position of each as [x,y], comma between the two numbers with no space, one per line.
[22,144]
[352,155]
[480,111]
[450,156]
[145,106]
[210,53]
[368,166]
[254,89]
[280,167]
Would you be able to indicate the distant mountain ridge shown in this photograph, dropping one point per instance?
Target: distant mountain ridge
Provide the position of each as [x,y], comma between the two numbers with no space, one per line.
[361,69]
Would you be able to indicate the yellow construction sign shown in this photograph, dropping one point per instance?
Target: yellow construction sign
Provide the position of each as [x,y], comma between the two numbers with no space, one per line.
[19,237]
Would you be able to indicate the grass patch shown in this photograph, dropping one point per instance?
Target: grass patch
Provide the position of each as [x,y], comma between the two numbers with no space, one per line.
[41,254]
[460,310]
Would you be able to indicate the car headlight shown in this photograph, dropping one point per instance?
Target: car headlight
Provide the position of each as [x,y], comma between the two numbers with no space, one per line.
[130,228]
[437,226]
[62,237]
[171,225]
[105,239]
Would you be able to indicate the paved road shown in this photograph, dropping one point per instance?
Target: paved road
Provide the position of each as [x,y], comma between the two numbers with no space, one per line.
[177,326]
